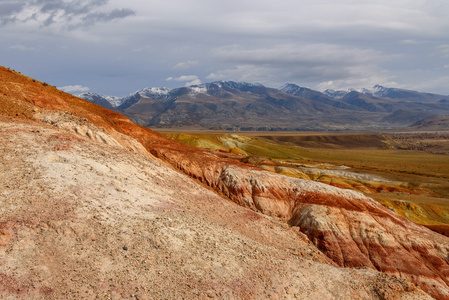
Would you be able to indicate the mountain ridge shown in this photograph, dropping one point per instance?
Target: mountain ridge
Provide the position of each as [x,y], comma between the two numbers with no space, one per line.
[289,88]
[234,105]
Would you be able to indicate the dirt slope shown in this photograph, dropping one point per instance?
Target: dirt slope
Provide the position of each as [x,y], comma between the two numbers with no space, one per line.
[347,226]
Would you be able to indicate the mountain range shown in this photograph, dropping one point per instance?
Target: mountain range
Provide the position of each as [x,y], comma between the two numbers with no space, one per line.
[233,105]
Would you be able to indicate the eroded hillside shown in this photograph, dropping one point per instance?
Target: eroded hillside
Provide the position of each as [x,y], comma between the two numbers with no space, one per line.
[85,220]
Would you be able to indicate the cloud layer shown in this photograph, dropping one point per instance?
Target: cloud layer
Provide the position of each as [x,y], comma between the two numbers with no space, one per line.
[115,47]
[68,14]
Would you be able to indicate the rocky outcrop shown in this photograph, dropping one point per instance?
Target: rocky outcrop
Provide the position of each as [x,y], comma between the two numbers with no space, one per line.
[350,228]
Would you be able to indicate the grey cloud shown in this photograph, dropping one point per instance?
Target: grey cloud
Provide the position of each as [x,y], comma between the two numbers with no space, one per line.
[188,79]
[443,50]
[325,43]
[183,78]
[185,65]
[70,15]
[311,63]
[22,48]
[74,88]
[8,9]
[92,18]
[298,54]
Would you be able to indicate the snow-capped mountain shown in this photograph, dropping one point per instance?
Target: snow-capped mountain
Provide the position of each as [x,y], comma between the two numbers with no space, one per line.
[242,86]
[100,99]
[154,92]
[291,88]
[220,87]
[115,102]
[336,94]
[163,94]
[217,88]
[379,91]
[295,90]
[376,91]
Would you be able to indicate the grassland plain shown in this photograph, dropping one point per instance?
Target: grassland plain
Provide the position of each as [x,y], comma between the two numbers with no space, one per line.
[407,172]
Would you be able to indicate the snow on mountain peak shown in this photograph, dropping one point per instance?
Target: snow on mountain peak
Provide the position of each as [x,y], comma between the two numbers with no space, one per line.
[290,88]
[115,101]
[89,96]
[154,92]
[212,87]
[240,85]
[377,91]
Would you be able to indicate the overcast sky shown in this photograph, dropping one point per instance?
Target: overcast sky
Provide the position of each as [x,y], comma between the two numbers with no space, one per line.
[117,47]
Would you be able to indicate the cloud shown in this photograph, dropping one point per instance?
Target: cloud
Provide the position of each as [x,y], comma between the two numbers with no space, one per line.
[102,17]
[369,80]
[70,14]
[246,73]
[22,48]
[186,65]
[74,89]
[183,78]
[9,10]
[411,42]
[193,82]
[189,79]
[297,54]
[305,64]
[443,50]
[436,85]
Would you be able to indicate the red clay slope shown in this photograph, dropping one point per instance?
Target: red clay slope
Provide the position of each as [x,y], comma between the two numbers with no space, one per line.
[351,229]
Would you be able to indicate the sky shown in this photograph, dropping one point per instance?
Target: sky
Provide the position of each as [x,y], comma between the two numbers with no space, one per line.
[114,47]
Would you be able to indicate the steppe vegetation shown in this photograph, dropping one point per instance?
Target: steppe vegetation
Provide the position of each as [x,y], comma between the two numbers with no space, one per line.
[407,172]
